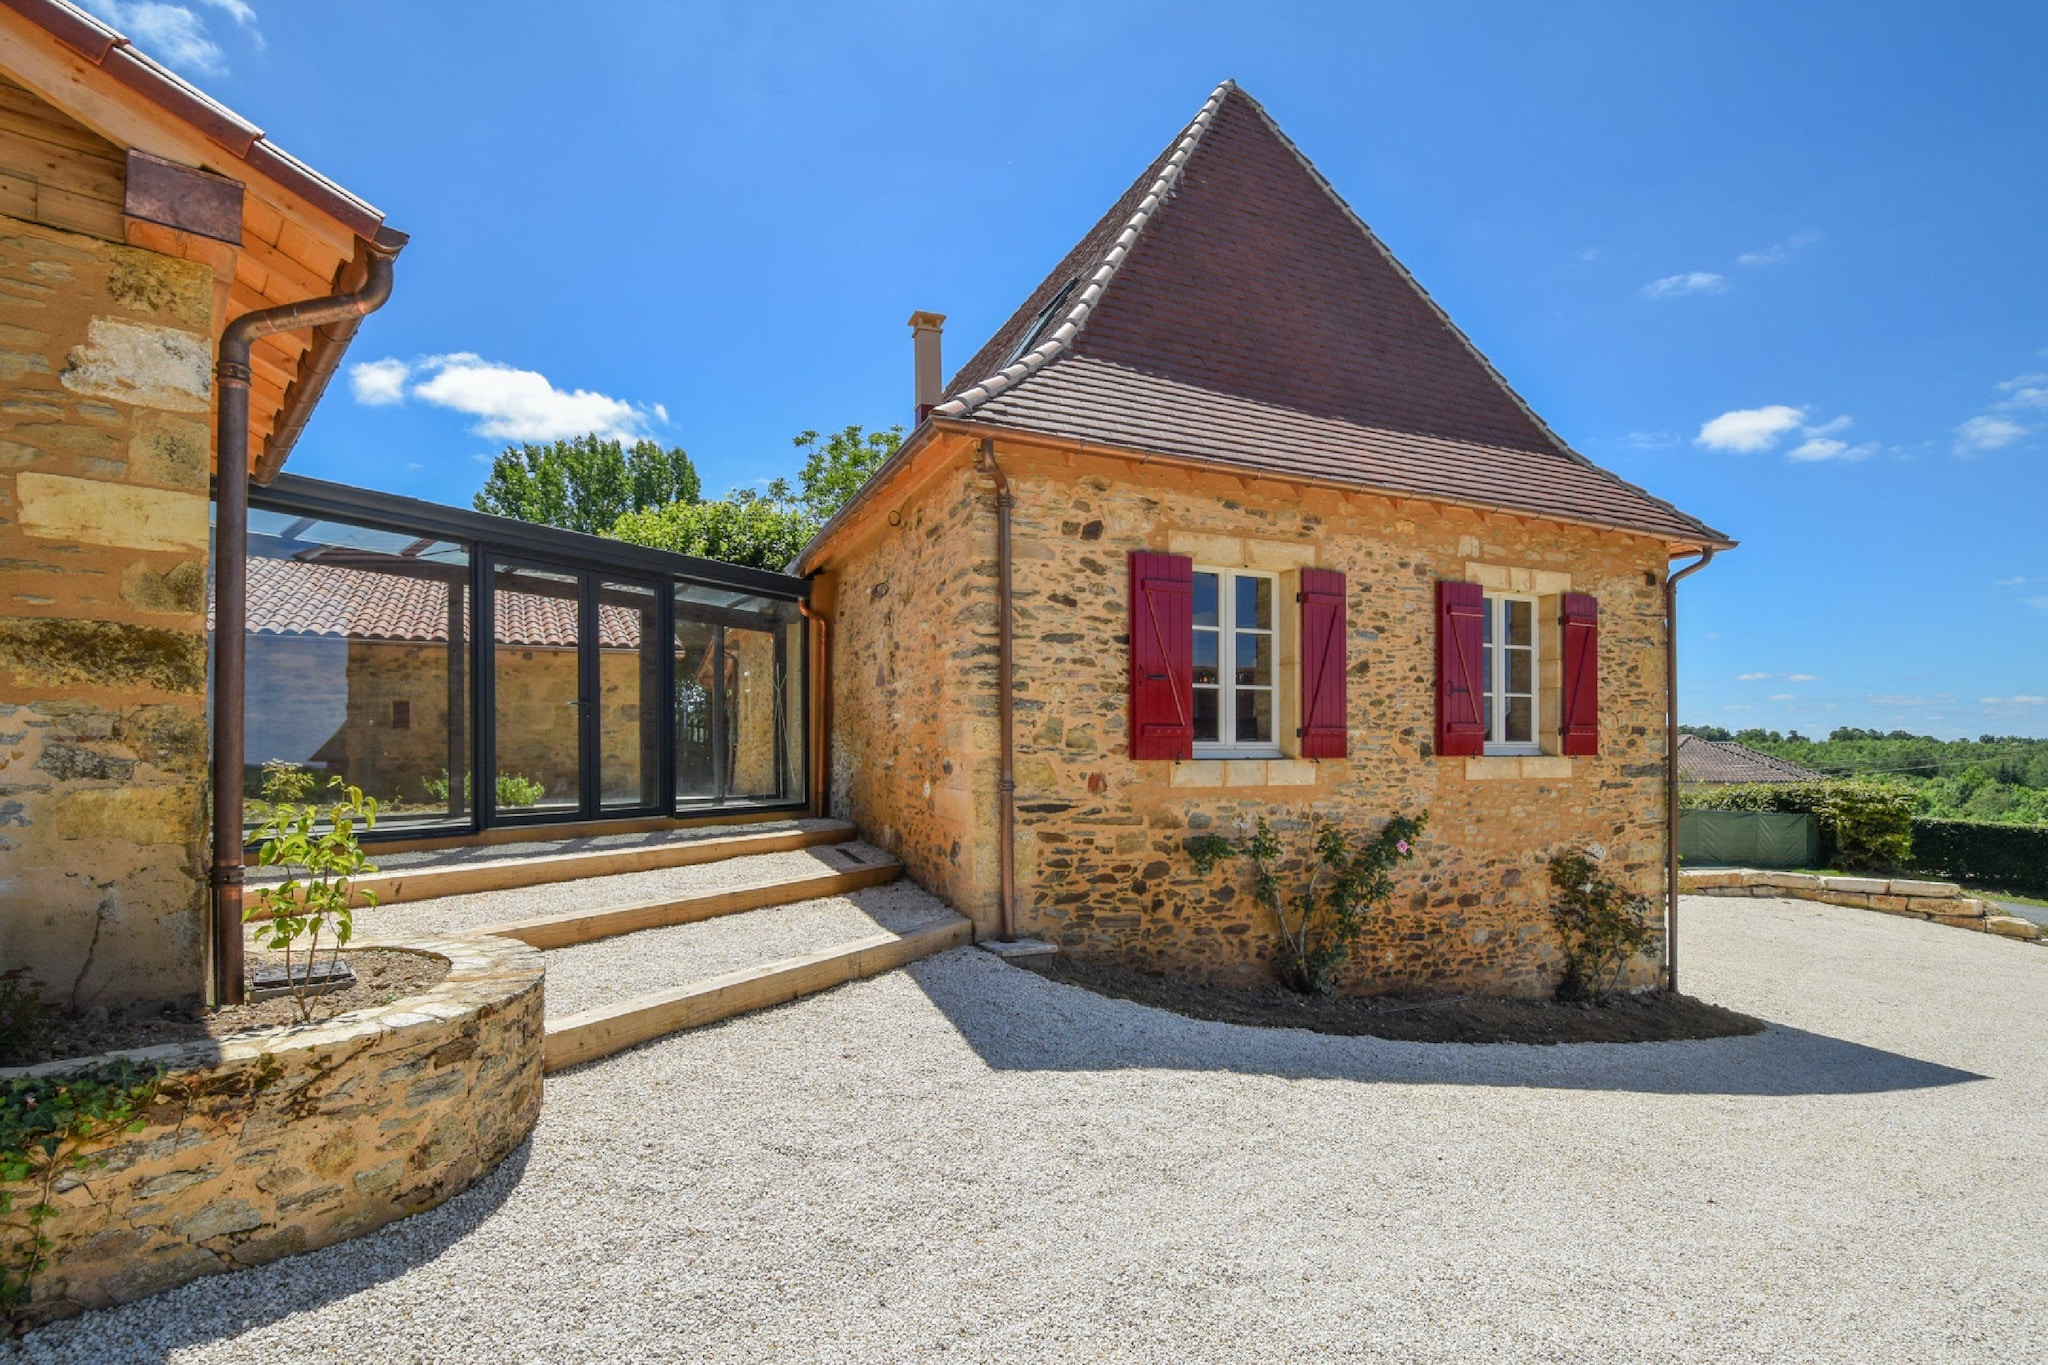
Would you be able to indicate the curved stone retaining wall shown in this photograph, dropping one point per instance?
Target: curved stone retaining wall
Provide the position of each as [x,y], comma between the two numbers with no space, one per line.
[290,1139]
[1941,902]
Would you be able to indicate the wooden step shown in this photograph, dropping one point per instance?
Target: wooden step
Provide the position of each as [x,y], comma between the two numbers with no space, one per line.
[594,1033]
[509,874]
[585,926]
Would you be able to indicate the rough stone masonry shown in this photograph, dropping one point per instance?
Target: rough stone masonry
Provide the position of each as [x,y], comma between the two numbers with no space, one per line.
[105,451]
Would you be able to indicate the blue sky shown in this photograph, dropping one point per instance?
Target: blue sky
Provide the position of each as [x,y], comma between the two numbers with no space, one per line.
[1781,264]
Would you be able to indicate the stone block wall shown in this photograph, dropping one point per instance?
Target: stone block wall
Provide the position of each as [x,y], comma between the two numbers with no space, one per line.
[279,1142]
[105,451]
[1102,867]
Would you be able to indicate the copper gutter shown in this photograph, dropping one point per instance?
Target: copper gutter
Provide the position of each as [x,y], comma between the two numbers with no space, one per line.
[1707,553]
[821,709]
[1006,780]
[231,582]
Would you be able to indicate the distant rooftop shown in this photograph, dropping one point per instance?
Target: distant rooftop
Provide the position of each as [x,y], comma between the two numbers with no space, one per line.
[1721,762]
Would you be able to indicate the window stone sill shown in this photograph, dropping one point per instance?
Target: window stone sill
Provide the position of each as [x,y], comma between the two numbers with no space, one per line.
[1244,772]
[1500,767]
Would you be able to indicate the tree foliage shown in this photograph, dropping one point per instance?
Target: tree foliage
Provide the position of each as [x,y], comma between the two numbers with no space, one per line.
[834,471]
[744,527]
[587,483]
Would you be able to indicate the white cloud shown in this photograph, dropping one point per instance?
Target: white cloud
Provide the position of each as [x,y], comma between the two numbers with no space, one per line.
[2014,701]
[1778,251]
[1753,677]
[1690,282]
[1826,449]
[1589,253]
[379,383]
[1802,677]
[1980,434]
[174,33]
[2025,391]
[510,404]
[1784,696]
[2037,603]
[1746,431]
[1650,440]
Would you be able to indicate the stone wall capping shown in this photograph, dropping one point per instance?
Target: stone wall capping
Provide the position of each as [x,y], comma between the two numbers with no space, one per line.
[1939,902]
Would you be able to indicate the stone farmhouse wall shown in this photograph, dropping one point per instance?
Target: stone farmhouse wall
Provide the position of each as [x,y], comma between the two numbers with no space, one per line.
[280,1142]
[1100,848]
[105,450]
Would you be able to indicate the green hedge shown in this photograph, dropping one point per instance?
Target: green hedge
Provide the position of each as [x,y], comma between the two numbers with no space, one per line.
[1862,824]
[2002,857]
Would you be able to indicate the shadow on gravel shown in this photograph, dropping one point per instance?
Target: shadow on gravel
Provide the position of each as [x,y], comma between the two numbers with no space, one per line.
[1018,1021]
[221,1306]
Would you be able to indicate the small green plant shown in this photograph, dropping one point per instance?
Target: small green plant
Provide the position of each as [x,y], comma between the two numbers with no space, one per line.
[514,789]
[46,1123]
[1602,926]
[314,898]
[1341,884]
[24,1018]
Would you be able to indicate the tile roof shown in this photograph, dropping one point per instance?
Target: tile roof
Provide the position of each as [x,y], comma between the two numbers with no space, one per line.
[1231,308]
[1722,761]
[336,601]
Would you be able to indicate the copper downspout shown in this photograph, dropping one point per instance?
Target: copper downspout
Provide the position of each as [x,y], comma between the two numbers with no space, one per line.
[231,584]
[1707,554]
[1006,780]
[821,700]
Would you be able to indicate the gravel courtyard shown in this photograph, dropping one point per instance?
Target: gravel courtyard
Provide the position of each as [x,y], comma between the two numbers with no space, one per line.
[963,1161]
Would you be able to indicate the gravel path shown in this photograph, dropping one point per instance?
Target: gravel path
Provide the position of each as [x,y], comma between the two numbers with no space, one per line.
[613,969]
[964,1161]
[448,913]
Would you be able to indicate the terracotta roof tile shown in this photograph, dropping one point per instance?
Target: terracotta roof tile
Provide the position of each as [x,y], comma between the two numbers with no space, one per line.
[294,597]
[1230,307]
[1721,761]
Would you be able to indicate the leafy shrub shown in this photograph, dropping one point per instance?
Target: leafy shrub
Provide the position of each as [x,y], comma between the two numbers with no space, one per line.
[1328,912]
[1602,926]
[1862,824]
[2004,857]
[314,898]
[514,789]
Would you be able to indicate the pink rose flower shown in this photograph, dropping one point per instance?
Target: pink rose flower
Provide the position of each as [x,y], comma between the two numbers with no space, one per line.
[1401,844]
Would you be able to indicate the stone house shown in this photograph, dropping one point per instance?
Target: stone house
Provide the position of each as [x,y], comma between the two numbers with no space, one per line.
[137,217]
[1249,528]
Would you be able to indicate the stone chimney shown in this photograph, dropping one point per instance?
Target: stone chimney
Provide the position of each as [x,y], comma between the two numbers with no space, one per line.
[930,376]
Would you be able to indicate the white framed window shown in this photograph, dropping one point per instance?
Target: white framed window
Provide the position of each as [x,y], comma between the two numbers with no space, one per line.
[1510,671]
[1236,663]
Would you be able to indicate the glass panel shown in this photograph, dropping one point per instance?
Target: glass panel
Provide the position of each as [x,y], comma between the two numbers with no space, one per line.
[1254,603]
[1208,705]
[1254,660]
[739,697]
[1206,645]
[537,720]
[357,668]
[1521,622]
[696,648]
[1521,728]
[628,695]
[1521,671]
[1254,717]
[1205,600]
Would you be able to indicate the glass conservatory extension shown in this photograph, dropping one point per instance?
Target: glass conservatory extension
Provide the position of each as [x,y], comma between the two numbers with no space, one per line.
[408,647]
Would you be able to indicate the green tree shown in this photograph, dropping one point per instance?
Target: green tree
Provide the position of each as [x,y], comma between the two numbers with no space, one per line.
[834,471]
[744,527]
[587,483]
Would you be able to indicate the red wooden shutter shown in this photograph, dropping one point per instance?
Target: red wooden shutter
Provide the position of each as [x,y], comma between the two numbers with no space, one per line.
[1580,704]
[1162,656]
[1323,718]
[1460,658]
